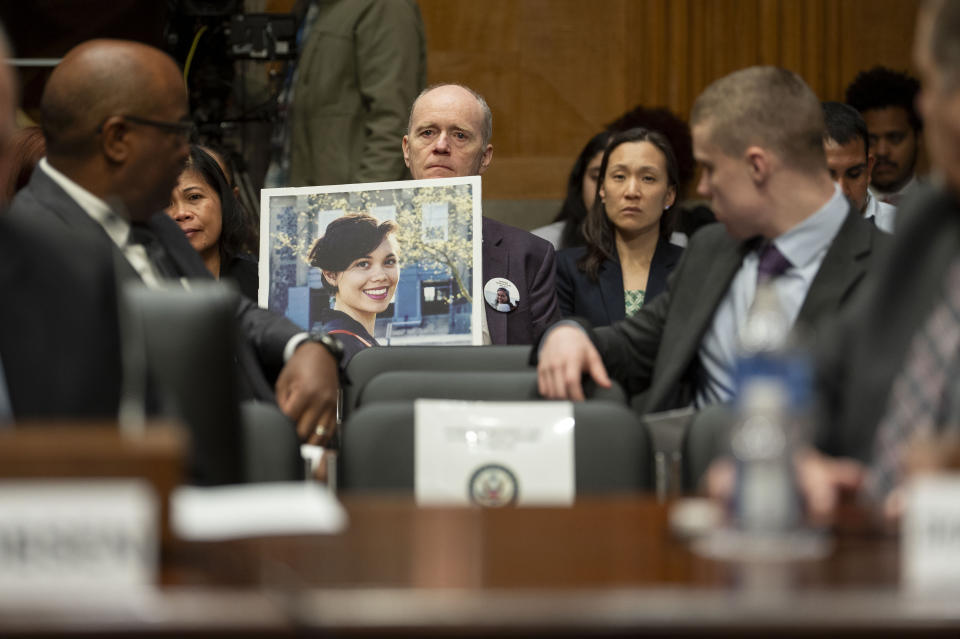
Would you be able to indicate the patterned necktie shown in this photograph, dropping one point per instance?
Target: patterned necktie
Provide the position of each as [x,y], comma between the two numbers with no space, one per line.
[772,263]
[917,397]
[143,235]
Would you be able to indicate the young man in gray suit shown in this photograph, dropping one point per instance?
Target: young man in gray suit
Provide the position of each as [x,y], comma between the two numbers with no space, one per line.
[757,135]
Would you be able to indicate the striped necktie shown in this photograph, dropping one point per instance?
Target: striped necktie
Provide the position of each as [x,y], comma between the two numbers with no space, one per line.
[772,263]
[919,394]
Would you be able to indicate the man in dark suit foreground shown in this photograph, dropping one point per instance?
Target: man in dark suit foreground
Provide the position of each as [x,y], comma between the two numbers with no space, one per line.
[888,374]
[757,134]
[449,136]
[116,124]
[59,350]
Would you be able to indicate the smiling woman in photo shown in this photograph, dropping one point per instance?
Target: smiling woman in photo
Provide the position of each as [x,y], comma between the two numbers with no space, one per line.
[359,262]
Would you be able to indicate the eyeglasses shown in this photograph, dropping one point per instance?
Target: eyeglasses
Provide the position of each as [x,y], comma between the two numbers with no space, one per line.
[185,127]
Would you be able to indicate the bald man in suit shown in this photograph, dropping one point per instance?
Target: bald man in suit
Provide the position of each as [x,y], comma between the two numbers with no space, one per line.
[116,124]
[449,136]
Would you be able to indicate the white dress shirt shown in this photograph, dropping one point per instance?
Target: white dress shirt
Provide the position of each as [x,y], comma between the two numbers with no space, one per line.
[881,213]
[805,246]
[898,196]
[115,226]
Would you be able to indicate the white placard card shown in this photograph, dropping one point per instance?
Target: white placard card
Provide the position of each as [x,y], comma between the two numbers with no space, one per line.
[92,533]
[494,453]
[931,533]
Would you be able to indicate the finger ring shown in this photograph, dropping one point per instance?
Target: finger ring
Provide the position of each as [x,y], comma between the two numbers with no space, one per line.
[320,431]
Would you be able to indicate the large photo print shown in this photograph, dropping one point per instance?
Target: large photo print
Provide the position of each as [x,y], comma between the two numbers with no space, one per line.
[375,264]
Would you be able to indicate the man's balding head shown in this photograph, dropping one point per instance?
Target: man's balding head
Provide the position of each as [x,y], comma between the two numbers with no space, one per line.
[448,133]
[101,78]
[768,107]
[113,116]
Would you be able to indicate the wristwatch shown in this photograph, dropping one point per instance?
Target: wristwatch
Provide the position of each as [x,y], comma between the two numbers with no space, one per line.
[329,342]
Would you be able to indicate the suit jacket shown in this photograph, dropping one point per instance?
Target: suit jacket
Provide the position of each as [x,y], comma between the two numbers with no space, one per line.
[862,355]
[59,340]
[656,351]
[528,262]
[601,302]
[266,334]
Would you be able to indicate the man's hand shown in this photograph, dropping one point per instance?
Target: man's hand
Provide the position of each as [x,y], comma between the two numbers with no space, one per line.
[567,353]
[307,392]
[821,480]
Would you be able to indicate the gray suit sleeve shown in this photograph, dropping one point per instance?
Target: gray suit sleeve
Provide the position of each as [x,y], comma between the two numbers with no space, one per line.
[268,333]
[544,309]
[629,347]
[565,285]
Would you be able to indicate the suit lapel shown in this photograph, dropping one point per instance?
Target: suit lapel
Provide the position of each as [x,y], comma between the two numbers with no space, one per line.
[610,279]
[694,300]
[715,270]
[664,259]
[54,199]
[842,267]
[496,259]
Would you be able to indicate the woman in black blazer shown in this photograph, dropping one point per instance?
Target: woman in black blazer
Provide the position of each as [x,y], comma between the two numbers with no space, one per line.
[628,255]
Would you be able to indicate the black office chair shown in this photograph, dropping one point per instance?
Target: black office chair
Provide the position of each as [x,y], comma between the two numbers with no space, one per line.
[179,350]
[518,385]
[371,362]
[611,449]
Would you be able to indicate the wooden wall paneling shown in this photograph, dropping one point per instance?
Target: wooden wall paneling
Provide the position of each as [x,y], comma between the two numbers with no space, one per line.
[578,60]
[878,32]
[700,49]
[745,27]
[646,57]
[789,27]
[555,71]
[678,18]
[812,58]
[769,31]
[721,41]
[834,50]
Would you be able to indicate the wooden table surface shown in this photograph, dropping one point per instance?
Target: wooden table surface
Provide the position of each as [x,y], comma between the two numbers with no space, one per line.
[606,566]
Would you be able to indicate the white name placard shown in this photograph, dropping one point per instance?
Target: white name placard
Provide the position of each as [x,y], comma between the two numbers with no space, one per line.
[494,453]
[95,533]
[930,543]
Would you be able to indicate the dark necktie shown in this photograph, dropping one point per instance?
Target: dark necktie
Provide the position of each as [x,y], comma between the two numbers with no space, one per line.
[162,264]
[772,263]
[919,392]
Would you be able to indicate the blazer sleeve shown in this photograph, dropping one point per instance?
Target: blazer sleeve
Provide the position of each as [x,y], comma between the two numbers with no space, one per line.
[629,347]
[544,309]
[566,283]
[268,333]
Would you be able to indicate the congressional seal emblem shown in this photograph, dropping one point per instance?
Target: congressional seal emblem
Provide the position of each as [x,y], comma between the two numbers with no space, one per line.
[492,486]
